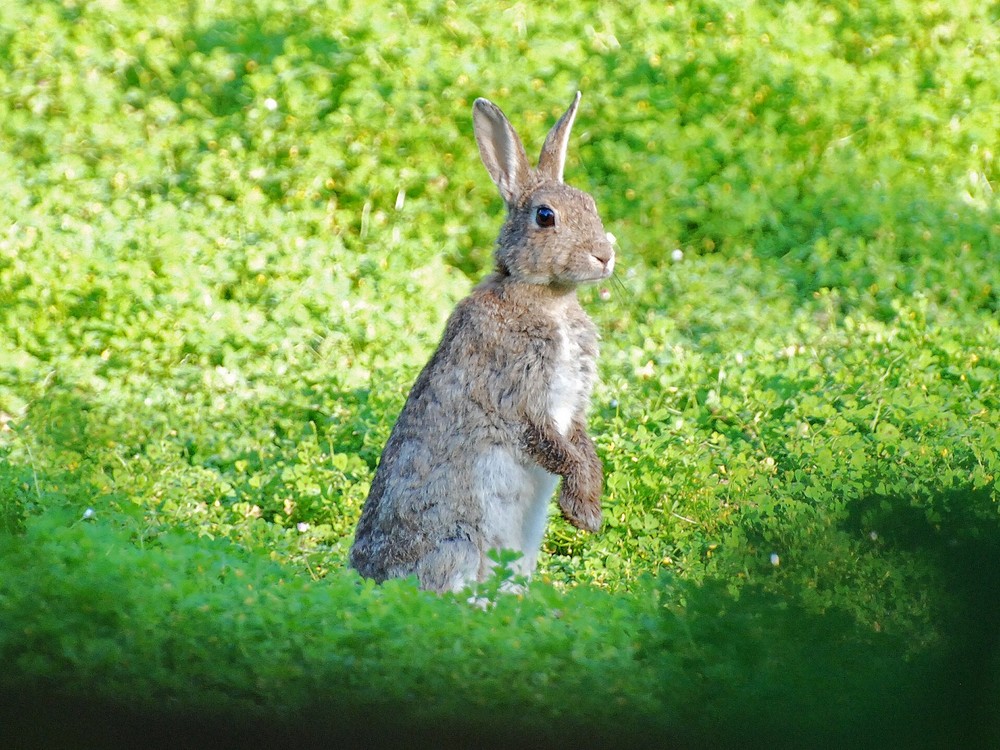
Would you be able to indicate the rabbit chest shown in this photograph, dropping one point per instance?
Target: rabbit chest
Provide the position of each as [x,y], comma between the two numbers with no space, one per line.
[572,374]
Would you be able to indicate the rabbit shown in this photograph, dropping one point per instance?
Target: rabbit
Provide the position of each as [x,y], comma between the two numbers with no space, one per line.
[498,414]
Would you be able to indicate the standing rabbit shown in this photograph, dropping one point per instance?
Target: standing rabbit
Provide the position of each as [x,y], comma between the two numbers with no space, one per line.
[498,415]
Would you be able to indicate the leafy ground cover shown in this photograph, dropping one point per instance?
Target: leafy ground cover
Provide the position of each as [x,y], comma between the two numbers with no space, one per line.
[231,234]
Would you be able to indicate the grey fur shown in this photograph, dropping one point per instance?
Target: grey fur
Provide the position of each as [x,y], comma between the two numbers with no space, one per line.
[499,412]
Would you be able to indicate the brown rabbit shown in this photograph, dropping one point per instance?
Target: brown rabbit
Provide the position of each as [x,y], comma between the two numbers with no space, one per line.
[498,415]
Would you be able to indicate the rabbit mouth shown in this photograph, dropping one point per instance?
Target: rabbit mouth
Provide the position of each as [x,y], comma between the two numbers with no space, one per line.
[597,270]
[602,266]
[607,266]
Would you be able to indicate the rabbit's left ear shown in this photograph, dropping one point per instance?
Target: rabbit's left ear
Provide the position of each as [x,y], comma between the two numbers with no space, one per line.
[501,150]
[553,158]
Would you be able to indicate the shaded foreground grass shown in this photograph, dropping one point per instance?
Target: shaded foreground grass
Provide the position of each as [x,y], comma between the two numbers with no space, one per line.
[123,646]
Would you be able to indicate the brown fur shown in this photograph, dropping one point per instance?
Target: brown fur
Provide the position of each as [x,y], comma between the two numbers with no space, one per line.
[462,468]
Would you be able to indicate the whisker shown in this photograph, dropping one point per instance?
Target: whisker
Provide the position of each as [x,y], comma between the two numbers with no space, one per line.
[622,292]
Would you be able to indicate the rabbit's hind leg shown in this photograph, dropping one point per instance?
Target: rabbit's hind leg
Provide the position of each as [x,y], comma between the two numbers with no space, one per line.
[451,566]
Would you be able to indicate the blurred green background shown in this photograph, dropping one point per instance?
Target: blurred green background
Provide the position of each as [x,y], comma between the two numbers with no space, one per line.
[230,236]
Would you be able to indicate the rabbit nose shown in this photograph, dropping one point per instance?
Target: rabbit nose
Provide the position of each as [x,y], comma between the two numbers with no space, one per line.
[604,252]
[606,257]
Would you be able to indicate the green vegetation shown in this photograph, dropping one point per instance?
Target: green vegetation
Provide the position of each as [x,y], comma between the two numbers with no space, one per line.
[229,239]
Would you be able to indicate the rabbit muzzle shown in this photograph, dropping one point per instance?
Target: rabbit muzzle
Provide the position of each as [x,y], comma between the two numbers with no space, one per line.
[600,263]
[605,256]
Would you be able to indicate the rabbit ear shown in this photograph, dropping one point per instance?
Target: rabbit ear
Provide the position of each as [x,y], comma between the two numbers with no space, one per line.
[500,149]
[553,158]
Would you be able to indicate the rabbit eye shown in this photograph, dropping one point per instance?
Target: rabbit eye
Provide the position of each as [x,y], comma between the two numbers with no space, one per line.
[545,217]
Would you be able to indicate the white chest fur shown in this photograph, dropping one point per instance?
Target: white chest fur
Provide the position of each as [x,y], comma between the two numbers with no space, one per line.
[515,496]
[569,387]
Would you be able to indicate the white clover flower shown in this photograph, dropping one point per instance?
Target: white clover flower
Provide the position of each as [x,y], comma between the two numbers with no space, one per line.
[302,526]
[775,560]
[677,255]
[89,514]
[270,104]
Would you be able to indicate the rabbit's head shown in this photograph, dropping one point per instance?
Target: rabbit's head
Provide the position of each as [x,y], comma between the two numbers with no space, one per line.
[553,234]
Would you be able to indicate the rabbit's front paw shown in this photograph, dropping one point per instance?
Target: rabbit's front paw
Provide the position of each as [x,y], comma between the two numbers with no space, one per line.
[584,514]
[580,498]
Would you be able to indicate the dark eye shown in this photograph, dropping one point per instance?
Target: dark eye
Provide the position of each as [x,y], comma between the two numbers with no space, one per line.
[545,217]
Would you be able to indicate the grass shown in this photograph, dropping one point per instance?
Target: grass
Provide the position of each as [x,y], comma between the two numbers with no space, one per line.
[230,238]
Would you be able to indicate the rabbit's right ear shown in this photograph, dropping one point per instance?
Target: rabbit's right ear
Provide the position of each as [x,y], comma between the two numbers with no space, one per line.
[553,158]
[500,149]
